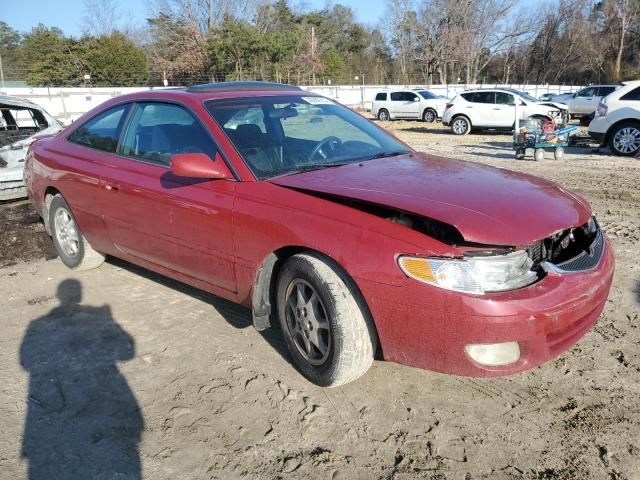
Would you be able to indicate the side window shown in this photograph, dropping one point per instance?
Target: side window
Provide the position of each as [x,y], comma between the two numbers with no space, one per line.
[483,97]
[397,96]
[467,96]
[158,130]
[381,96]
[632,95]
[587,92]
[604,91]
[102,131]
[503,98]
[410,97]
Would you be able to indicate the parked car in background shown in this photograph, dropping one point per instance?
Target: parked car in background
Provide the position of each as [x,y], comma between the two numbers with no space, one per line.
[408,104]
[617,120]
[546,97]
[561,97]
[496,109]
[294,205]
[20,121]
[585,101]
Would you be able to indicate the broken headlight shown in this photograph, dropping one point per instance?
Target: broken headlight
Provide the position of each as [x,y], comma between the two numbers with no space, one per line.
[472,274]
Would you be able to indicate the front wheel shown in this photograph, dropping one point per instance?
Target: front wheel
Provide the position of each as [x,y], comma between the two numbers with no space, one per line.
[460,126]
[383,115]
[324,322]
[72,247]
[625,139]
[429,115]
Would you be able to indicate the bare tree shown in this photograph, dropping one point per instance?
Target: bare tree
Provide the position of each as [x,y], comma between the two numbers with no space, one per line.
[100,17]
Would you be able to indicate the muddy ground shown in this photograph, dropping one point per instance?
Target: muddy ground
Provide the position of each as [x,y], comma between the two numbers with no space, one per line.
[146,378]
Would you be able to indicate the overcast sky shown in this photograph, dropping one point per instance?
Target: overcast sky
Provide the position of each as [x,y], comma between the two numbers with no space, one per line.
[22,15]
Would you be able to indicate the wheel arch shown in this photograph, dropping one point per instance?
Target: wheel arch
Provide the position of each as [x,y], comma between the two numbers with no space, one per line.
[263,292]
[47,198]
[458,115]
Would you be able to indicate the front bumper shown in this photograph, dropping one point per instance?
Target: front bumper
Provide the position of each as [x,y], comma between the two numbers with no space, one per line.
[428,328]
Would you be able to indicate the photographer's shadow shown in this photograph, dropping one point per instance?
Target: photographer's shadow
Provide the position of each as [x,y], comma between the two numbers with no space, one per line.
[83,421]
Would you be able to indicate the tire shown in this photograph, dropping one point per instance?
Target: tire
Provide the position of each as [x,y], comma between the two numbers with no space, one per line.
[345,339]
[72,247]
[558,153]
[624,140]
[460,125]
[383,115]
[429,115]
[538,154]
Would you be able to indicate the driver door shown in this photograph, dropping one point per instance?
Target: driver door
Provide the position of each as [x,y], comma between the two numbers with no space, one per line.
[178,223]
[411,105]
[582,103]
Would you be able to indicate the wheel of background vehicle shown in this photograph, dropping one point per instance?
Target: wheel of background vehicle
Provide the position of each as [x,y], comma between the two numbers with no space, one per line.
[520,153]
[460,126]
[538,154]
[324,322]
[383,114]
[558,153]
[72,247]
[625,139]
[429,115]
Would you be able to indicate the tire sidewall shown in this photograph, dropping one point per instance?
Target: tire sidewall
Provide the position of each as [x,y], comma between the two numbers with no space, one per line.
[298,267]
[72,262]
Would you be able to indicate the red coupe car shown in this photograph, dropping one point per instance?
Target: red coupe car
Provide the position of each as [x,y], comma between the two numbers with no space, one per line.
[357,245]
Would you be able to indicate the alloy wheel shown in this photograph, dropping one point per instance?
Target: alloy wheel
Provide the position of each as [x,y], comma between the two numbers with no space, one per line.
[459,126]
[627,140]
[307,322]
[67,232]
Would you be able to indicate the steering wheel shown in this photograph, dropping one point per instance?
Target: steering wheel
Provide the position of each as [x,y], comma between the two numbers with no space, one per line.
[331,141]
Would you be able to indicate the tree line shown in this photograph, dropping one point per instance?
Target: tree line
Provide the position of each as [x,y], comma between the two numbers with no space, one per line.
[415,42]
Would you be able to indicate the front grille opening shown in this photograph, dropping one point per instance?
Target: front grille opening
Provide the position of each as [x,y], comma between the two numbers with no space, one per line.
[565,246]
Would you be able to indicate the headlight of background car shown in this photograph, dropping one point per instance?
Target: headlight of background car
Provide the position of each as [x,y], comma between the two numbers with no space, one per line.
[476,275]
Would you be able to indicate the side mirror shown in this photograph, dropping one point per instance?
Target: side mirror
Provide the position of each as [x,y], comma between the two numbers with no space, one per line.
[199,165]
[416,99]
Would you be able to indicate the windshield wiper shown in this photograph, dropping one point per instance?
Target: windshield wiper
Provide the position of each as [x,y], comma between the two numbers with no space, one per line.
[388,154]
[310,168]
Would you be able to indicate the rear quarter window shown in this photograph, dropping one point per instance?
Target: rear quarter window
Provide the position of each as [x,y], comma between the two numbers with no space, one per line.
[102,131]
[633,95]
[381,96]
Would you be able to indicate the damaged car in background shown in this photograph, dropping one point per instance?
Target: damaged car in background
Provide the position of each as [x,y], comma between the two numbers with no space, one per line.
[21,121]
[320,221]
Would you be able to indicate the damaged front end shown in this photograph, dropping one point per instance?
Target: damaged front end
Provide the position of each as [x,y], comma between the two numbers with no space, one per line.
[504,269]
[21,122]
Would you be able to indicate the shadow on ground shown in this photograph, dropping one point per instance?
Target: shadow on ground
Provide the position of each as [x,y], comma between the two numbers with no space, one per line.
[83,420]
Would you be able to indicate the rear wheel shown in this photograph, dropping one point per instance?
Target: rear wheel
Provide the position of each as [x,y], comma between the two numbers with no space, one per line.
[538,154]
[460,126]
[72,247]
[625,139]
[383,114]
[324,322]
[429,115]
[558,153]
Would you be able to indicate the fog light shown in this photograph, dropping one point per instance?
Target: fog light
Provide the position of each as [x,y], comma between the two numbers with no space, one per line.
[494,354]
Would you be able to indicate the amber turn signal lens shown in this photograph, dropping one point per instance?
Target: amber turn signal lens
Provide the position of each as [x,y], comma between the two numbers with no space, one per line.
[418,268]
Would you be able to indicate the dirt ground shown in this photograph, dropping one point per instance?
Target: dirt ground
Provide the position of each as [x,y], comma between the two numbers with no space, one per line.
[118,373]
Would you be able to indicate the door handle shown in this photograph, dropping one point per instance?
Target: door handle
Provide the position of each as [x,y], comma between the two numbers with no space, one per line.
[111,187]
[497,108]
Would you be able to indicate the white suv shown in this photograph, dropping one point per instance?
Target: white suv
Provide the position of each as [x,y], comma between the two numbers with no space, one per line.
[409,104]
[617,120]
[585,101]
[496,109]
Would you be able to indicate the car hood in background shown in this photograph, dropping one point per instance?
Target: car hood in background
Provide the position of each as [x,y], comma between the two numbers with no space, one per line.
[487,205]
[559,106]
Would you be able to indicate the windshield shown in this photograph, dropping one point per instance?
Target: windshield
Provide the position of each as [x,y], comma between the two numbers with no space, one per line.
[426,94]
[524,95]
[287,134]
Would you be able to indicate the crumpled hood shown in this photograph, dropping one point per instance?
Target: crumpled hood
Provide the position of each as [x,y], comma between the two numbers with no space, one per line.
[487,205]
[559,106]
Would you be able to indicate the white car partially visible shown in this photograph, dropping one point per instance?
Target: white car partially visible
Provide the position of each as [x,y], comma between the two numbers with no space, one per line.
[496,109]
[617,120]
[408,104]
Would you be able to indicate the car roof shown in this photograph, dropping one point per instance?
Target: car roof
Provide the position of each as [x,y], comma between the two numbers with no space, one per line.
[221,90]
[631,83]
